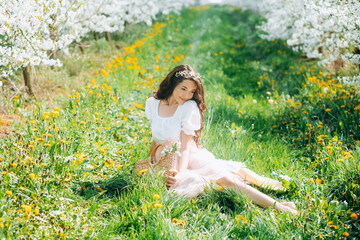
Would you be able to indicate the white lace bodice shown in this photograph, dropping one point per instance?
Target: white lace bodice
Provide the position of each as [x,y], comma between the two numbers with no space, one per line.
[186,118]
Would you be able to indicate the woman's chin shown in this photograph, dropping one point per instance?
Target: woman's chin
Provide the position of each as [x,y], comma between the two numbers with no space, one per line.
[181,101]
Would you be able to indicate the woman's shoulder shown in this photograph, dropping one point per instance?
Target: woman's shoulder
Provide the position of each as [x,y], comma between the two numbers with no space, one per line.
[190,104]
[190,107]
[150,100]
[150,107]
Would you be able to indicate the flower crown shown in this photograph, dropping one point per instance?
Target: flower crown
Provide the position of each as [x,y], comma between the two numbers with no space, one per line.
[187,74]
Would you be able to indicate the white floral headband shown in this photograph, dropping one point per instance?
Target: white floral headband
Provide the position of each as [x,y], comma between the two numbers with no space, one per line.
[187,74]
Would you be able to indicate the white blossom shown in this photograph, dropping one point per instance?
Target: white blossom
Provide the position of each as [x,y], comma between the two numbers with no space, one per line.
[32,30]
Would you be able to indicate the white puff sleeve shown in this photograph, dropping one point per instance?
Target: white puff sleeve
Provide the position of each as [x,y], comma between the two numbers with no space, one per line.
[148,107]
[190,119]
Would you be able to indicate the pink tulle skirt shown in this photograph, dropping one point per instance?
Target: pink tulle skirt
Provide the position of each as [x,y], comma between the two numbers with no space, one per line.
[203,170]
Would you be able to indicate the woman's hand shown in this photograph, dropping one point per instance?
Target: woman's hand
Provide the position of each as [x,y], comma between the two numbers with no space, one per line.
[171,178]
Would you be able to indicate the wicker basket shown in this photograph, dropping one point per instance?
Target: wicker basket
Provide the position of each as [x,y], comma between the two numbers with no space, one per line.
[166,162]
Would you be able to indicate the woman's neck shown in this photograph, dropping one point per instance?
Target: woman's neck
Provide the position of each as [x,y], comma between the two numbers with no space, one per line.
[171,101]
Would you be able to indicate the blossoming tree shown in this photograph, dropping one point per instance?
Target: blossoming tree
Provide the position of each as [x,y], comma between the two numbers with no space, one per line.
[32,31]
[328,30]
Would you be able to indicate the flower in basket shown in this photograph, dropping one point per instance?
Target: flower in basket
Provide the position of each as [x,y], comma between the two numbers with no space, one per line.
[174,148]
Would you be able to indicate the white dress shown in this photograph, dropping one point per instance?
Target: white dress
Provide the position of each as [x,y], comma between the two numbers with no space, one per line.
[203,167]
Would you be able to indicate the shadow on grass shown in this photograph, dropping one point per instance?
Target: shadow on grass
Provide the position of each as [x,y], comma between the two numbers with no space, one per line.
[113,187]
[228,201]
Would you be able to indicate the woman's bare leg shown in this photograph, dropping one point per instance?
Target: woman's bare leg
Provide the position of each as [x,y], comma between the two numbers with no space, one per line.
[253,194]
[257,180]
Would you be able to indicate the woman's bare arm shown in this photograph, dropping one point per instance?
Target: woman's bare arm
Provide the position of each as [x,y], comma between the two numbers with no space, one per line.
[153,144]
[183,160]
[185,141]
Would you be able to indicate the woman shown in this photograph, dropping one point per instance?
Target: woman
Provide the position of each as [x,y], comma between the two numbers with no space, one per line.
[176,115]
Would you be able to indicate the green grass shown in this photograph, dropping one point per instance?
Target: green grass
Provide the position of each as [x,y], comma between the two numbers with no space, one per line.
[73,162]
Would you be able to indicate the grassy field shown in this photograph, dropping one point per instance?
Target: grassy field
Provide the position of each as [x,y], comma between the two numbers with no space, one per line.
[67,169]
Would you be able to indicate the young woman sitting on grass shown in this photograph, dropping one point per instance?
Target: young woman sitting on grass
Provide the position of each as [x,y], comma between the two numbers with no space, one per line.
[176,115]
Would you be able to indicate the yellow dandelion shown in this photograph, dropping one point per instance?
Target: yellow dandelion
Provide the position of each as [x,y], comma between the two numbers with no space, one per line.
[109,163]
[142,171]
[8,192]
[104,73]
[27,209]
[181,223]
[319,181]
[156,196]
[333,226]
[354,217]
[158,205]
[68,177]
[36,211]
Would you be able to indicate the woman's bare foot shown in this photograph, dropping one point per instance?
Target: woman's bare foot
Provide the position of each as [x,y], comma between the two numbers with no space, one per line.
[284,208]
[289,204]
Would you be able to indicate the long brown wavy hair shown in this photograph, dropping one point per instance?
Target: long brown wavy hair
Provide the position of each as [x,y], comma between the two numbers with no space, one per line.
[168,85]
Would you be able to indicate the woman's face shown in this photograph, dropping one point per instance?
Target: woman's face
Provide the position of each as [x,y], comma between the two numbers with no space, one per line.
[184,91]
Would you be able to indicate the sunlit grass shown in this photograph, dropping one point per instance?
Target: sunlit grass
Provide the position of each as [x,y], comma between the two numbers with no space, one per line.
[69,172]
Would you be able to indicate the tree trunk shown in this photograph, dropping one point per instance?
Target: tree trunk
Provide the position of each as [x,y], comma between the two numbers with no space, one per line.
[82,48]
[96,36]
[53,35]
[27,80]
[108,38]
[357,52]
